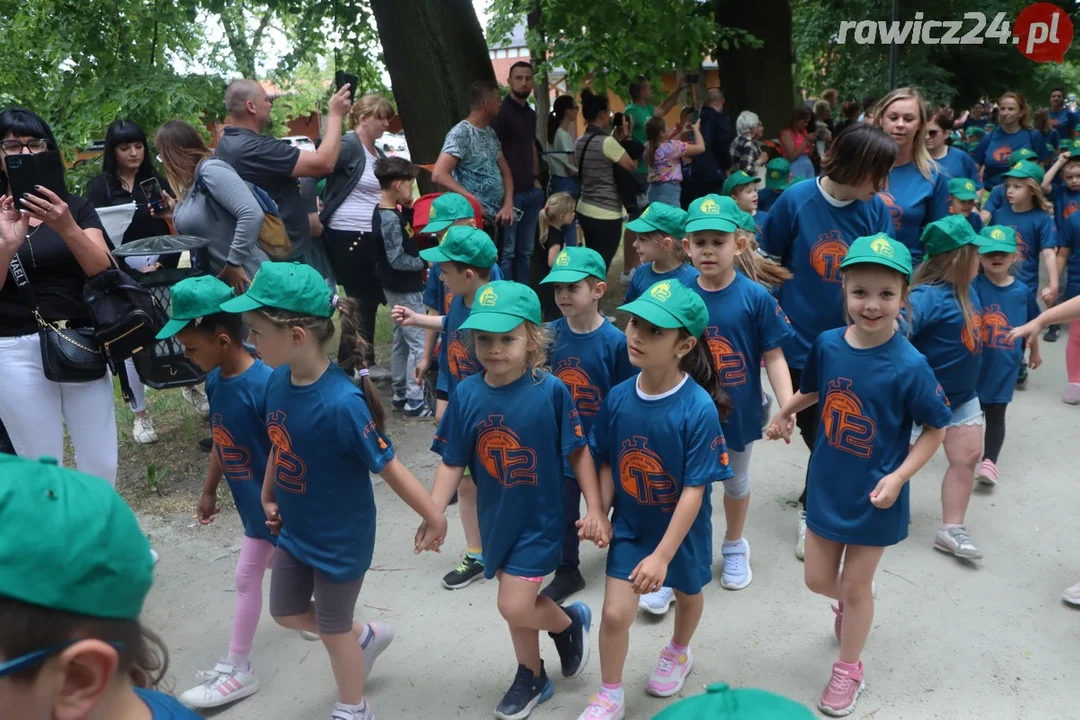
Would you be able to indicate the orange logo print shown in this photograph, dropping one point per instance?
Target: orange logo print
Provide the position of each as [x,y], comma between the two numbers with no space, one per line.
[1021,245]
[289,469]
[372,429]
[235,459]
[846,428]
[827,254]
[719,444]
[729,364]
[586,395]
[500,452]
[1072,207]
[780,313]
[642,476]
[448,297]
[995,328]
[969,338]
[1002,154]
[895,211]
[941,394]
[460,362]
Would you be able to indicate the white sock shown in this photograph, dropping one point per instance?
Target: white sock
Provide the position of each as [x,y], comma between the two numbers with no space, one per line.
[354,709]
[731,543]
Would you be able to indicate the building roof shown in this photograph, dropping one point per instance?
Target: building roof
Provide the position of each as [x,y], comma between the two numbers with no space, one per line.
[516,39]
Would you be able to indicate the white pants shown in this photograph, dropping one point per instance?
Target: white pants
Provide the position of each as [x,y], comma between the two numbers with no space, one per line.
[738,486]
[34,411]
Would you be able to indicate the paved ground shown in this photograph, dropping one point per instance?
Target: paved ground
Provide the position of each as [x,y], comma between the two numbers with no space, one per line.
[950,640]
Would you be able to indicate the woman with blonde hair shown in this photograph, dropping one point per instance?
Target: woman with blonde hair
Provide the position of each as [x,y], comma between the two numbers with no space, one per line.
[994,154]
[917,192]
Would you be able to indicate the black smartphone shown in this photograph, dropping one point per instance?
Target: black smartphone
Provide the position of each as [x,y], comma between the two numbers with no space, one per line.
[692,78]
[25,172]
[342,78]
[155,198]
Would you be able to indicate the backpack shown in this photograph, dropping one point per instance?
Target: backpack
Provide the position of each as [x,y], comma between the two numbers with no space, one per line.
[273,239]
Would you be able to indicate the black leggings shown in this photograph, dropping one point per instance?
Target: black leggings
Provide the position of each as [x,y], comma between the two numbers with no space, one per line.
[603,236]
[995,430]
[353,255]
[807,422]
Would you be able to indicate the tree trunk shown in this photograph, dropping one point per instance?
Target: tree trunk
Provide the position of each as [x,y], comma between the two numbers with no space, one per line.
[434,49]
[543,88]
[758,79]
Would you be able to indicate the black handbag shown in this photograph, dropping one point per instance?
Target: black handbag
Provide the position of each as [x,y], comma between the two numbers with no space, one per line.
[69,355]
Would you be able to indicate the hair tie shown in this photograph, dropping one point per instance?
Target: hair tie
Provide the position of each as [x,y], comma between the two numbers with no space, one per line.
[363,372]
[334,301]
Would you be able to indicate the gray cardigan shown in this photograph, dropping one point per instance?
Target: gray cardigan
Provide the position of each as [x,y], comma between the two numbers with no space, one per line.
[347,172]
[226,213]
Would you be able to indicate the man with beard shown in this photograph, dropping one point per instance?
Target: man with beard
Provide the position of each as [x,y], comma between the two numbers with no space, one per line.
[516,127]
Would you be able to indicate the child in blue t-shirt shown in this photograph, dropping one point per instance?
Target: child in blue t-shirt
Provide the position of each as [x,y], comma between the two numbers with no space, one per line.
[871,385]
[659,245]
[464,255]
[71,644]
[327,436]
[777,180]
[963,194]
[588,353]
[1005,304]
[659,446]
[746,327]
[236,388]
[515,426]
[741,188]
[944,326]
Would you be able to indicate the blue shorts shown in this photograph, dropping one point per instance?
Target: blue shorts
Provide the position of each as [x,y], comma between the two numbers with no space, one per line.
[969,413]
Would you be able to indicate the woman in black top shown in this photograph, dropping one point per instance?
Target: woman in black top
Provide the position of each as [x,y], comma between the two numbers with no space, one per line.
[59,242]
[126,165]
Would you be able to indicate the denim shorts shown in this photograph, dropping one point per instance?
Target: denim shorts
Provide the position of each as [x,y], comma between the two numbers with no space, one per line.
[969,413]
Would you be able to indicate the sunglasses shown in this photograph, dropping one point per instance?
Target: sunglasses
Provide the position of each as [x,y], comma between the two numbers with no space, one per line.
[37,657]
[932,133]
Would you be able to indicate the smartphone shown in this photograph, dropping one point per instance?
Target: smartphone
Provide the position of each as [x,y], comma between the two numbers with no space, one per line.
[25,172]
[695,116]
[341,78]
[155,198]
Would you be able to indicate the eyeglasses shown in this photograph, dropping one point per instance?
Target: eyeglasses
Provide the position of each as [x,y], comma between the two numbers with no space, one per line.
[15,147]
[932,133]
[30,659]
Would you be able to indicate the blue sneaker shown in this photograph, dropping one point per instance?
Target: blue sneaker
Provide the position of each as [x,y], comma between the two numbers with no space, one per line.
[573,642]
[527,692]
[657,603]
[736,574]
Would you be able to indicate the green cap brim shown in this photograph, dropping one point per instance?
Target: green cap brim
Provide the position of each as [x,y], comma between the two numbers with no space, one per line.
[641,226]
[711,223]
[494,322]
[567,276]
[244,303]
[992,247]
[653,313]
[435,254]
[439,225]
[877,260]
[965,195]
[171,328]
[777,186]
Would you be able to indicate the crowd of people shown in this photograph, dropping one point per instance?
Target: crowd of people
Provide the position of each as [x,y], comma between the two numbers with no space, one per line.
[884,270]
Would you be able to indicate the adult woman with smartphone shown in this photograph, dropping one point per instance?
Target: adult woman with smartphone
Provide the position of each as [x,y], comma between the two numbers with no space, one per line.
[52,245]
[128,178]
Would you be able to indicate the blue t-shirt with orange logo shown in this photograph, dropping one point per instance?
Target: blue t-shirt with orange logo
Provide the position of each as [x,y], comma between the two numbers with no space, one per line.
[745,321]
[958,164]
[759,221]
[996,200]
[1003,308]
[589,364]
[809,234]
[456,358]
[868,400]
[1035,232]
[238,420]
[656,447]
[765,199]
[645,277]
[913,201]
[1066,202]
[995,150]
[938,331]
[1063,121]
[326,445]
[515,440]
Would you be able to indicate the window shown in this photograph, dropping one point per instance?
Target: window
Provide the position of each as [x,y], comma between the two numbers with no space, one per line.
[500,54]
[512,52]
[491,54]
[524,52]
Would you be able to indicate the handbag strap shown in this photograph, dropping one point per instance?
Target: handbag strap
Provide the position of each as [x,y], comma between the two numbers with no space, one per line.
[22,281]
[584,150]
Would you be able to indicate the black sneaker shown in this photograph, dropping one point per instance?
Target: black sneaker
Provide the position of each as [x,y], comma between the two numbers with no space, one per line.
[1052,333]
[453,500]
[564,584]
[470,570]
[1022,378]
[527,692]
[419,410]
[206,444]
[573,642]
[399,403]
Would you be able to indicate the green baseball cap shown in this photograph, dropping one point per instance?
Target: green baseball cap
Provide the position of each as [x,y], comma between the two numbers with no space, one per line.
[736,179]
[194,299]
[69,542]
[879,249]
[576,263]
[963,189]
[975,131]
[1023,154]
[1026,170]
[720,702]
[1066,143]
[777,174]
[1073,146]
[501,306]
[997,238]
[294,287]
[712,212]
[446,210]
[660,217]
[670,304]
[947,234]
[463,244]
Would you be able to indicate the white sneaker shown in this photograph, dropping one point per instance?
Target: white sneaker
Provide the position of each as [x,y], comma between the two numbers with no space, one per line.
[956,540]
[657,603]
[341,713]
[800,544]
[221,686]
[309,635]
[143,432]
[736,573]
[1072,594]
[153,555]
[196,397]
[379,638]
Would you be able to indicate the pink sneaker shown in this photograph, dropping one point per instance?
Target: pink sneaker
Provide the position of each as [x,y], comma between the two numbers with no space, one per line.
[838,609]
[1071,395]
[602,707]
[670,672]
[987,473]
[842,691]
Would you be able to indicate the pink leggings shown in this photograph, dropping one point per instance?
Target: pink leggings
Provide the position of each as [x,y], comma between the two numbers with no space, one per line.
[1072,352]
[256,557]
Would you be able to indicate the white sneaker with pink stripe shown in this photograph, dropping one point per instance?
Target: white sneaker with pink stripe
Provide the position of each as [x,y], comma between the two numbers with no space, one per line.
[224,684]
